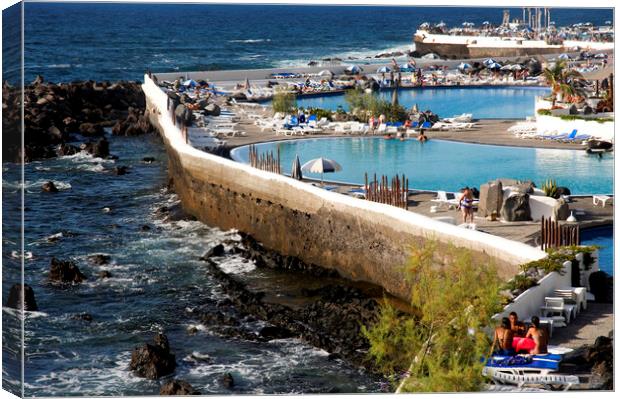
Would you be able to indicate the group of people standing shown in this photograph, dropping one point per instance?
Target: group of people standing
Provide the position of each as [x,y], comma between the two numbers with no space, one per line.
[511,328]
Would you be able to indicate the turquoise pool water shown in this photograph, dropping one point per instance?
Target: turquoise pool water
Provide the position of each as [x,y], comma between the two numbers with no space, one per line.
[603,236]
[502,102]
[447,165]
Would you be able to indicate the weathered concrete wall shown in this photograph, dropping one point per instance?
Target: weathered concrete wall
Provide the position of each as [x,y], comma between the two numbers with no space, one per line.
[362,240]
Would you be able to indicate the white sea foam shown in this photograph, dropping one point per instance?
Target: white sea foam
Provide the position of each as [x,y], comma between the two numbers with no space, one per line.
[236,265]
[250,41]
[17,255]
[361,54]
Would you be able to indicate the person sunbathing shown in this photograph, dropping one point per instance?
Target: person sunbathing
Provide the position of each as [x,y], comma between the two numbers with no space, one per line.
[517,327]
[539,336]
[503,338]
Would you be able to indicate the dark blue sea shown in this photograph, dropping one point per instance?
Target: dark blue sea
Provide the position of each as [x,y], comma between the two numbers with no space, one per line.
[157,277]
[67,42]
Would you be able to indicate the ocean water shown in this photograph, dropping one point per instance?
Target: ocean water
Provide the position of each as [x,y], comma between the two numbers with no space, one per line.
[447,165]
[481,102]
[157,279]
[66,42]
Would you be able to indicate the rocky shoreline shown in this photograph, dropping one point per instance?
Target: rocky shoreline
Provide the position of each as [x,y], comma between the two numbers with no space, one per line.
[66,118]
[331,321]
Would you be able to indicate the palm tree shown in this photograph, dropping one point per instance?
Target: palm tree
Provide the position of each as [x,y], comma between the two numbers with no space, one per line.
[561,79]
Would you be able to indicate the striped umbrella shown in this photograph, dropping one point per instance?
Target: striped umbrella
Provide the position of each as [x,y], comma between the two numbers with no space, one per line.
[296,170]
[321,165]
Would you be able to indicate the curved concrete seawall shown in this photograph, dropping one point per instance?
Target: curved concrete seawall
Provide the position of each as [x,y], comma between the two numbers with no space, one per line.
[362,240]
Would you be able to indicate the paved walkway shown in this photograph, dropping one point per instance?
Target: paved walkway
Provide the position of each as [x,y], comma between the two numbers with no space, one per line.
[597,320]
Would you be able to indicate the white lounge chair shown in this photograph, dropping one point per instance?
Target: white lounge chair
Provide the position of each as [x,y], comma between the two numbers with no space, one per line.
[554,305]
[576,294]
[448,199]
[600,199]
[521,377]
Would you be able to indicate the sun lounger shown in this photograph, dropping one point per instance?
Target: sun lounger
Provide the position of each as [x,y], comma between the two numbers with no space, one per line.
[358,192]
[600,199]
[573,295]
[554,305]
[447,199]
[521,378]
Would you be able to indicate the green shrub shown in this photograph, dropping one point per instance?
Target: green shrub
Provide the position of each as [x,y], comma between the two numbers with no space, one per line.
[454,298]
[550,188]
[284,101]
[543,111]
[363,105]
[579,117]
[521,283]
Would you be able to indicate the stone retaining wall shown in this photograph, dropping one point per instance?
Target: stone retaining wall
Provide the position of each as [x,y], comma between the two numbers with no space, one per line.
[362,240]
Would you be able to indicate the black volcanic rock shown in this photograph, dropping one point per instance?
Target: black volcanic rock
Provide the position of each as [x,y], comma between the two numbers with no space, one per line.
[52,112]
[99,259]
[228,381]
[65,272]
[153,360]
[49,187]
[15,298]
[98,149]
[178,387]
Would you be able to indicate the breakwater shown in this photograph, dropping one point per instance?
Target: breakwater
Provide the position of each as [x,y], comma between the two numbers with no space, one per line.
[361,240]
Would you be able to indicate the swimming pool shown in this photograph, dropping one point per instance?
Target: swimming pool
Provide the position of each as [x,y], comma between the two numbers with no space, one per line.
[604,237]
[446,165]
[503,102]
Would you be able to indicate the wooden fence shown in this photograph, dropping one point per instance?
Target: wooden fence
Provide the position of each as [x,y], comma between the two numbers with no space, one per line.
[553,234]
[394,192]
[266,161]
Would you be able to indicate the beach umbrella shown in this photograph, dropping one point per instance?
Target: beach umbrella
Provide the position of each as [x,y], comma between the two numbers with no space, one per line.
[506,68]
[296,169]
[486,23]
[430,56]
[494,65]
[407,67]
[516,67]
[326,73]
[247,83]
[600,55]
[564,56]
[489,61]
[353,69]
[463,66]
[607,22]
[321,165]
[441,24]
[190,83]
[383,69]
[424,25]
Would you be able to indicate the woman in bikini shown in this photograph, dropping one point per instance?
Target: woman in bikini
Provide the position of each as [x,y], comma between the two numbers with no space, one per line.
[503,339]
[466,203]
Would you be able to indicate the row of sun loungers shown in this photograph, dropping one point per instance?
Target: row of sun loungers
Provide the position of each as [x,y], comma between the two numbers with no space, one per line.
[529,130]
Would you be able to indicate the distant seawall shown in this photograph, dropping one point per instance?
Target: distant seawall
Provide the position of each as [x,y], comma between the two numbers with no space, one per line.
[362,240]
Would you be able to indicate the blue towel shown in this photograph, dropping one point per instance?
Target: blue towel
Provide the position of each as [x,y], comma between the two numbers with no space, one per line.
[534,362]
